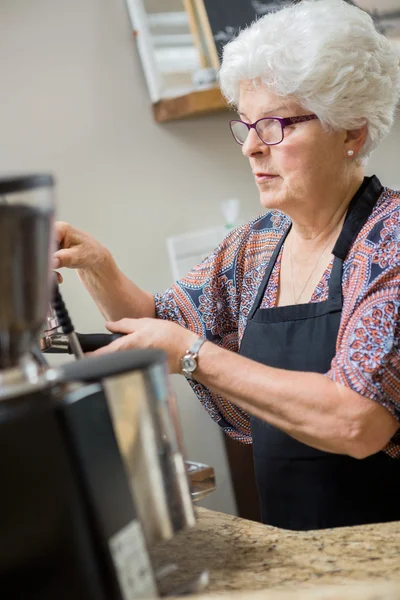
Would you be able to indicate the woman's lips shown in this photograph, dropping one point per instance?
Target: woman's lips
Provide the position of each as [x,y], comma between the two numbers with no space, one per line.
[263,177]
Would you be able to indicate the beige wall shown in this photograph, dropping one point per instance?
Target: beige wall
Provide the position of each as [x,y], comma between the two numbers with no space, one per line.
[73,102]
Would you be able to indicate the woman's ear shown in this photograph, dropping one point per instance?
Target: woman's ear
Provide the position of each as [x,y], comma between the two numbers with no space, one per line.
[355,139]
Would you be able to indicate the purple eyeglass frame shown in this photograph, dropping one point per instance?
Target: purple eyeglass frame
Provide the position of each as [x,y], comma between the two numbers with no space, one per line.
[284,122]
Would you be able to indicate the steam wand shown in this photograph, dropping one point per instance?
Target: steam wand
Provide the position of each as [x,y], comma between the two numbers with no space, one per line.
[65,323]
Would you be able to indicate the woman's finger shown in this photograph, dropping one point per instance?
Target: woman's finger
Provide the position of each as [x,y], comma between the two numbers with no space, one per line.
[68,257]
[61,228]
[58,276]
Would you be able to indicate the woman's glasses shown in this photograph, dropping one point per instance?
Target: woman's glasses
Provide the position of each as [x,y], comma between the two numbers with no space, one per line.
[270,130]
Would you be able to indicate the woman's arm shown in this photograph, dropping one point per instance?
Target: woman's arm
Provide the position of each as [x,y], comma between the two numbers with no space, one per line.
[115,295]
[308,406]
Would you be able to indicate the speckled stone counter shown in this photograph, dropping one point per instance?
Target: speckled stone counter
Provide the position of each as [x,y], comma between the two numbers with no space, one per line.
[245,557]
[355,591]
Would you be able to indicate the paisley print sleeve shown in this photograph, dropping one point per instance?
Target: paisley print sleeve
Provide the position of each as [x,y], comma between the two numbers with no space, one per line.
[207,302]
[368,346]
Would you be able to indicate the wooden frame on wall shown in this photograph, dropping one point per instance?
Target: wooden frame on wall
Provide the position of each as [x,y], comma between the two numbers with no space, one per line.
[188,51]
[202,17]
[141,32]
[171,46]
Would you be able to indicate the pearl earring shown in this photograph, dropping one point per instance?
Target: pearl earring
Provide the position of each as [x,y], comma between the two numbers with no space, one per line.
[350,152]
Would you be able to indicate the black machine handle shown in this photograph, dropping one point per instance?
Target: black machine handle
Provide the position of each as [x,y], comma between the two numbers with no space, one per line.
[93,341]
[69,341]
[89,342]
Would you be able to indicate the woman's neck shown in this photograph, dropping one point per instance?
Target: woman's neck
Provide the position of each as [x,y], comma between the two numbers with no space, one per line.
[315,225]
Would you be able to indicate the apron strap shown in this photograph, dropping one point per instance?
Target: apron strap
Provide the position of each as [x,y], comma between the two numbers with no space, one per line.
[265,279]
[358,212]
[335,285]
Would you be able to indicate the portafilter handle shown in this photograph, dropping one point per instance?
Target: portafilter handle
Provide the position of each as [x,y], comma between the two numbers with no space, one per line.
[57,343]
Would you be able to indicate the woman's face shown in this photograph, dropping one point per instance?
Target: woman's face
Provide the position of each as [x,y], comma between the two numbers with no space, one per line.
[302,167]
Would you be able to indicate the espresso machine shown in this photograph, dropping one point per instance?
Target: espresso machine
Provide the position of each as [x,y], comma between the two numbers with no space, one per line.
[94,485]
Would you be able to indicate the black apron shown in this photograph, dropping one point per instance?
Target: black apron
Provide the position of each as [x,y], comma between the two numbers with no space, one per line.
[300,487]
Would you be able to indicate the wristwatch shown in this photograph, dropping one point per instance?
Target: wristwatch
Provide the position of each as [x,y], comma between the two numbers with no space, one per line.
[189,360]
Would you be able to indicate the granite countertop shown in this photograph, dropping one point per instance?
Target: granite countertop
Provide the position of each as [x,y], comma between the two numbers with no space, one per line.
[244,557]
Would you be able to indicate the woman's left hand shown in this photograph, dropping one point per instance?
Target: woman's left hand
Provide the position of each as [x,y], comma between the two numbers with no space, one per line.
[151,333]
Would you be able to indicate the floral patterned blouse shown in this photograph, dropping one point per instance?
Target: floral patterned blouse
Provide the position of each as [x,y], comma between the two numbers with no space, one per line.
[216,296]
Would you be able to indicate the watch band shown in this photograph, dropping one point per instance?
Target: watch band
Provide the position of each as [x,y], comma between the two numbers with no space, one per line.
[189,360]
[194,350]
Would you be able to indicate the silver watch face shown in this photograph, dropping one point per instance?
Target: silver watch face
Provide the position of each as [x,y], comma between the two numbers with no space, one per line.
[188,364]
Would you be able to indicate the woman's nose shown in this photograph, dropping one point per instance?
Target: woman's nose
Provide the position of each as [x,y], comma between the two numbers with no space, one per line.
[253,144]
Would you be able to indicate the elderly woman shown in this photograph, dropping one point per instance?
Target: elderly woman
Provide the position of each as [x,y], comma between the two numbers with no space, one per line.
[289,331]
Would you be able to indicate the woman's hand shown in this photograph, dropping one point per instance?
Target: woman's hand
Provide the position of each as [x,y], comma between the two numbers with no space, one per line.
[151,333]
[114,294]
[77,249]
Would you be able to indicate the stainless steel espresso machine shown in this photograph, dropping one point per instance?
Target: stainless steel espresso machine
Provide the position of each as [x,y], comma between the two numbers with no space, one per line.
[94,485]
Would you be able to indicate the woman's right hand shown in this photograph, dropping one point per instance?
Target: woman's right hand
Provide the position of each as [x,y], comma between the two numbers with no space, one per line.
[77,249]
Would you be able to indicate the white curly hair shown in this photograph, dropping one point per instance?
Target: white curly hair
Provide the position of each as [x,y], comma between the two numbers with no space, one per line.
[327,55]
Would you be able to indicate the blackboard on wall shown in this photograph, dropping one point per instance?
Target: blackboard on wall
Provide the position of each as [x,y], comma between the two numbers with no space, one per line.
[225,18]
